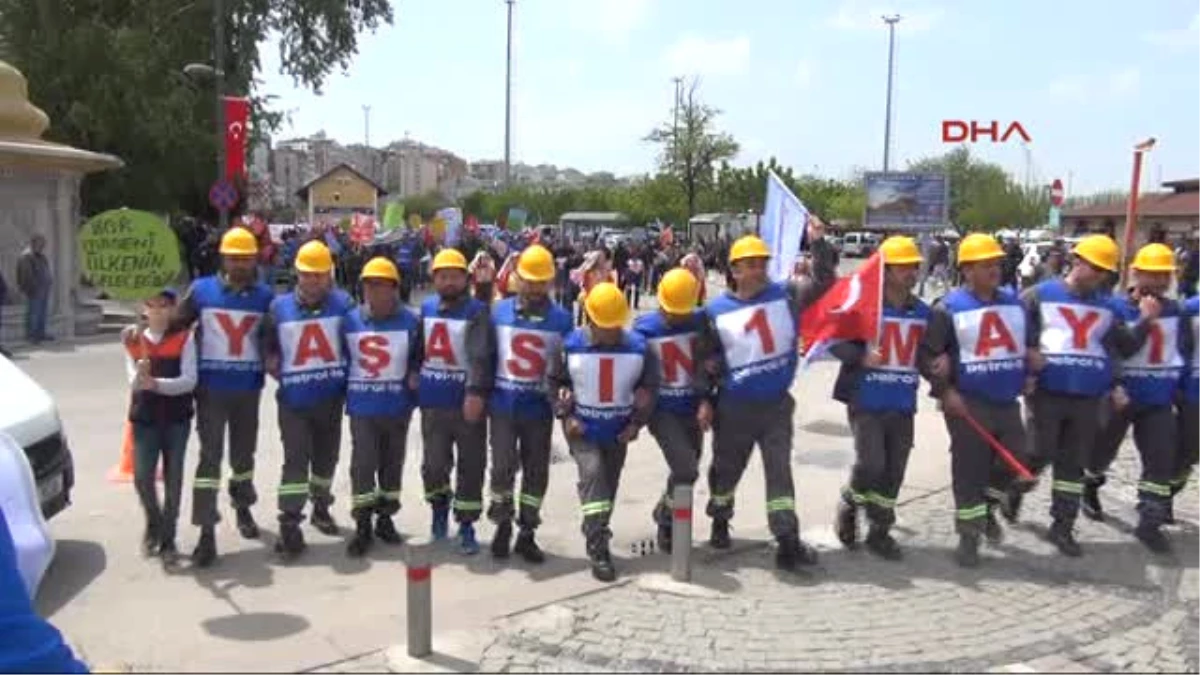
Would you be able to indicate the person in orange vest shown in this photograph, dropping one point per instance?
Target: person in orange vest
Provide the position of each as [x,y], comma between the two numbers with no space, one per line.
[161,364]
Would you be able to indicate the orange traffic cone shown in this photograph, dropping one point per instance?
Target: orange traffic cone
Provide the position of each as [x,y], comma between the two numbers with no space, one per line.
[123,471]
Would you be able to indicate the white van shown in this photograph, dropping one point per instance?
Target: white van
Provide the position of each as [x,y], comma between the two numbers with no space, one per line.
[28,414]
[859,244]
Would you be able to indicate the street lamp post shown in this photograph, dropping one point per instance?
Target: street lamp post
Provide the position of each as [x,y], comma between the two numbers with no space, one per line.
[219,79]
[508,101]
[891,21]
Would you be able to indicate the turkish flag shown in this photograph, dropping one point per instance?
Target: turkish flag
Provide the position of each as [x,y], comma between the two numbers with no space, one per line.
[362,229]
[237,117]
[849,310]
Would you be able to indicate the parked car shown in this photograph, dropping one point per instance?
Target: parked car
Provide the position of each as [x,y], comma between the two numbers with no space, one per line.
[29,415]
[860,244]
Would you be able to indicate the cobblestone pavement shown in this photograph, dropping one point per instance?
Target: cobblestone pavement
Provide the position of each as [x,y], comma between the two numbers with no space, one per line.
[1027,609]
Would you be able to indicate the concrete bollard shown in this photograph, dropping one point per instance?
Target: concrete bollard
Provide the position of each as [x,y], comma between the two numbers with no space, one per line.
[418,559]
[681,533]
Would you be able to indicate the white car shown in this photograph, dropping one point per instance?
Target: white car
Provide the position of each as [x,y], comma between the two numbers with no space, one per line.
[29,416]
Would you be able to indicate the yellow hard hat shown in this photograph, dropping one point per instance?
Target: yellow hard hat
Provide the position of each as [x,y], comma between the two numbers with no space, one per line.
[536,264]
[238,241]
[748,246]
[899,250]
[449,259]
[1154,258]
[1099,250]
[606,307]
[978,247]
[314,257]
[381,268]
[678,291]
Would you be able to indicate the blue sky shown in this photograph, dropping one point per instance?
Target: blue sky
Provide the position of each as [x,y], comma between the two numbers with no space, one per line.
[803,80]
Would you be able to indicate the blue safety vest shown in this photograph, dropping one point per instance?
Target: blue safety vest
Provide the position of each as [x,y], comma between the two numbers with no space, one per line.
[759,344]
[377,354]
[991,345]
[526,345]
[1151,376]
[893,385]
[405,257]
[312,362]
[444,369]
[603,381]
[227,338]
[674,345]
[1190,316]
[1072,341]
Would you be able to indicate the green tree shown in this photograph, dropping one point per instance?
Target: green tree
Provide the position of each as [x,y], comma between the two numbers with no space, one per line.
[690,147]
[983,196]
[425,205]
[108,74]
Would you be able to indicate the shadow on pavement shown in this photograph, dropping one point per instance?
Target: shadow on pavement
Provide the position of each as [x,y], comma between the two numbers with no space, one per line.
[255,626]
[76,564]
[828,428]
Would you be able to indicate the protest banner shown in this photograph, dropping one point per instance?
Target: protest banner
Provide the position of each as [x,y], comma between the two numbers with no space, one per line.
[128,254]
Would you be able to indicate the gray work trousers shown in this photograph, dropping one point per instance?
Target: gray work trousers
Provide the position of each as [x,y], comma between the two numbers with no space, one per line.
[443,430]
[600,468]
[217,411]
[882,443]
[519,445]
[979,476]
[1154,436]
[682,443]
[1063,430]
[738,428]
[377,463]
[312,439]
[1189,444]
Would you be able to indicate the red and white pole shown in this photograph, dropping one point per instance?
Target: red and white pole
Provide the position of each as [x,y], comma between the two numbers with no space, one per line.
[681,533]
[418,560]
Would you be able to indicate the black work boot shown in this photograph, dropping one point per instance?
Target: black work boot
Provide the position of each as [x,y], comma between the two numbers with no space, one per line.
[1152,538]
[245,523]
[992,529]
[664,537]
[206,549]
[361,542]
[167,552]
[385,530]
[323,521]
[719,536]
[601,559]
[528,548]
[792,552]
[846,525]
[1011,507]
[1062,535]
[503,539]
[1090,500]
[291,541]
[881,543]
[967,553]
[150,541]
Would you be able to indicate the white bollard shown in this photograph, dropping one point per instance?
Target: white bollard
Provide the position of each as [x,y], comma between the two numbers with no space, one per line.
[418,560]
[681,533]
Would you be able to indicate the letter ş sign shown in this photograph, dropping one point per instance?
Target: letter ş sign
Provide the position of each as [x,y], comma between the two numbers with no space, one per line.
[960,131]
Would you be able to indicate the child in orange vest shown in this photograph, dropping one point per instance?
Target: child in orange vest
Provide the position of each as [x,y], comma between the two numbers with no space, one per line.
[162,373]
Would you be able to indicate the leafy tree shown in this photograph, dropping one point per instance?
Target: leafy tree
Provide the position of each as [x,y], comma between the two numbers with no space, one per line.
[426,205]
[983,196]
[690,147]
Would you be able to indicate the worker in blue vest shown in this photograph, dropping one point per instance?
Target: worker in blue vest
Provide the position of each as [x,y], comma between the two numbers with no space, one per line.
[1144,398]
[382,343]
[974,355]
[878,383]
[455,378]
[607,378]
[407,252]
[1074,340]
[1187,407]
[683,412]
[305,353]
[754,329]
[529,330]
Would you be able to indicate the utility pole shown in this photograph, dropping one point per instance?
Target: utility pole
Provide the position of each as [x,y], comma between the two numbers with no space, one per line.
[219,86]
[508,102]
[370,156]
[891,22]
[675,120]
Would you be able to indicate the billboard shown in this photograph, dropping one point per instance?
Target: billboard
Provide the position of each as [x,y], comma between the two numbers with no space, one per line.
[906,201]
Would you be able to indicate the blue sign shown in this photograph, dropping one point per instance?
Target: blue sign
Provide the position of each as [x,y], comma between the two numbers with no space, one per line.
[1055,219]
[223,195]
[906,201]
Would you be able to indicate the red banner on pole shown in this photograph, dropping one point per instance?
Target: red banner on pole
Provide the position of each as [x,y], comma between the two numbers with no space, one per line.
[237,117]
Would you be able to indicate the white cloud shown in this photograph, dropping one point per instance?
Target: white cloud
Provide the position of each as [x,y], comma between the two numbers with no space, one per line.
[1119,83]
[804,73]
[1124,81]
[1177,38]
[694,55]
[611,20]
[855,15]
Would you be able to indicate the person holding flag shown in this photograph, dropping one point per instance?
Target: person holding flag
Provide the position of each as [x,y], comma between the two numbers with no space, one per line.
[878,383]
[974,355]
[754,331]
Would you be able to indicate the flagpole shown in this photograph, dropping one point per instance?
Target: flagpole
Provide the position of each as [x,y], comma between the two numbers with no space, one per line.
[1139,152]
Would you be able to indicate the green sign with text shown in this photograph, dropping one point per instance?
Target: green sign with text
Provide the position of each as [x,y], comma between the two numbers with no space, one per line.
[130,255]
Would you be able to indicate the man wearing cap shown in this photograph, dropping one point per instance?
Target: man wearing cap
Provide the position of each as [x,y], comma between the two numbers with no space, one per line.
[878,383]
[1074,339]
[754,333]
[683,411]
[305,353]
[383,352]
[974,355]
[1144,397]
[456,373]
[606,379]
[528,331]
[227,309]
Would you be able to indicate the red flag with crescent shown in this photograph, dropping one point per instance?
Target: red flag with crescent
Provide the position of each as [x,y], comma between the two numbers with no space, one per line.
[849,310]
[237,134]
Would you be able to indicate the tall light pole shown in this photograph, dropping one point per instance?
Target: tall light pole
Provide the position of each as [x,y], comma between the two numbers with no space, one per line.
[219,80]
[675,120]
[891,21]
[508,102]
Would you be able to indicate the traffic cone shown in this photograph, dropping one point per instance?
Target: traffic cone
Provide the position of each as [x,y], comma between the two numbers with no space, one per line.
[123,471]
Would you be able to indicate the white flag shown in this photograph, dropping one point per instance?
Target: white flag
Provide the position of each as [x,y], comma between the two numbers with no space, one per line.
[784,222]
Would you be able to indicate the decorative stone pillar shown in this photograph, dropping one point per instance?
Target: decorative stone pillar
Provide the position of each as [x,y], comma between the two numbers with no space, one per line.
[39,190]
